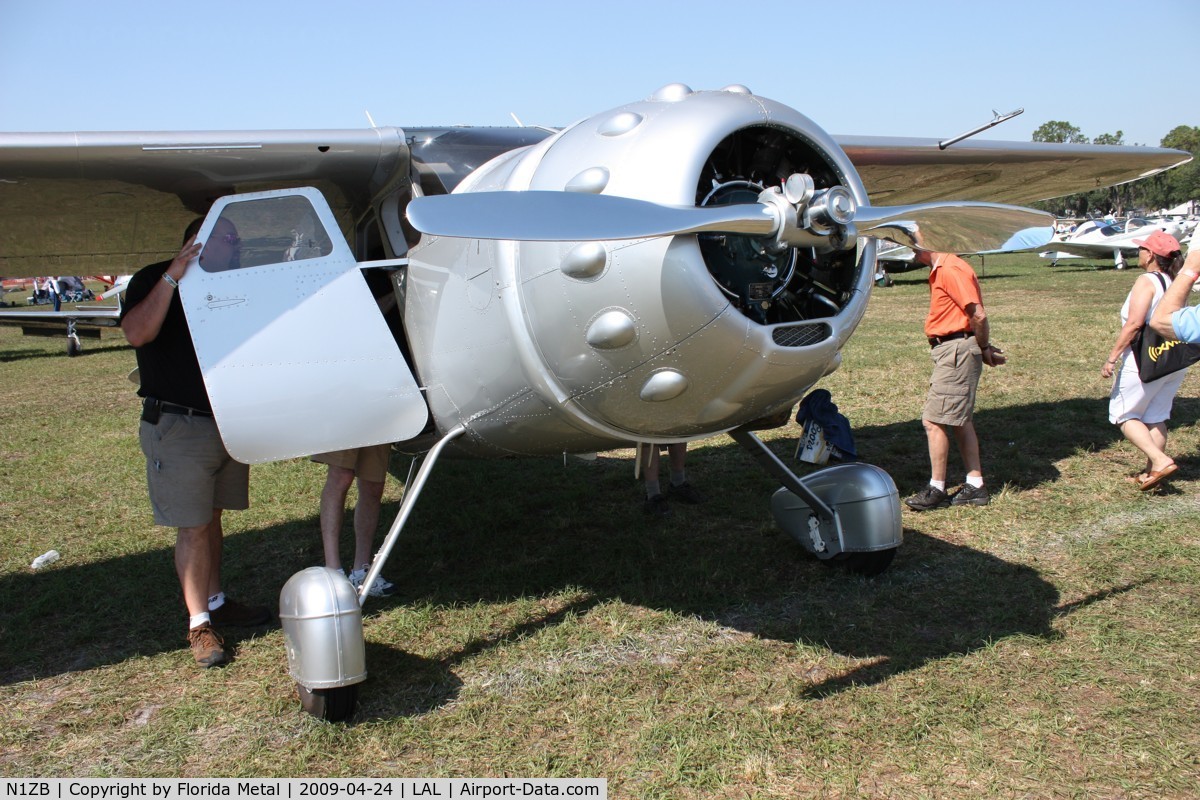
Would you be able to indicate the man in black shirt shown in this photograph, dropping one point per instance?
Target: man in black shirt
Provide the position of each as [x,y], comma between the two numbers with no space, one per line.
[191,476]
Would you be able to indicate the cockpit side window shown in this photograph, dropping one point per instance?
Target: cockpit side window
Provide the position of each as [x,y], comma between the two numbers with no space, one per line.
[271,230]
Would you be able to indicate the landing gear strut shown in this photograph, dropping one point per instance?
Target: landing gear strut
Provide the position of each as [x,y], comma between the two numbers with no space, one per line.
[74,348]
[847,515]
[321,615]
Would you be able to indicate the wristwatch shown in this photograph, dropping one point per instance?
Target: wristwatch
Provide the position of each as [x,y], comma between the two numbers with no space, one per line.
[174,283]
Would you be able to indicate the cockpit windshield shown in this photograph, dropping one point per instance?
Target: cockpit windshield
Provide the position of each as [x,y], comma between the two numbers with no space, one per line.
[454,153]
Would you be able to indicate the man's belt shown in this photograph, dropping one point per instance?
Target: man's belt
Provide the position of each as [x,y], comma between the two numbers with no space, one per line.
[934,341]
[169,408]
[152,408]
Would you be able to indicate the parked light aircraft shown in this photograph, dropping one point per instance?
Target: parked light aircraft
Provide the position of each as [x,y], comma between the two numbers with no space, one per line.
[671,269]
[78,321]
[1101,239]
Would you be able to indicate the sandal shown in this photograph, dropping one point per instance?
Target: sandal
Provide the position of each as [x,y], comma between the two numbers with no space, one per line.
[1154,476]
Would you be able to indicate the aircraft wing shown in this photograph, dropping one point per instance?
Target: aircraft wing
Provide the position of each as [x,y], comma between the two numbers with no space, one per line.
[1090,250]
[81,203]
[899,171]
[74,323]
[95,317]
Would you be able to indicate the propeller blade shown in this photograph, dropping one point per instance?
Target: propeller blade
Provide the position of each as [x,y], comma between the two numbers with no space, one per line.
[542,216]
[538,216]
[957,227]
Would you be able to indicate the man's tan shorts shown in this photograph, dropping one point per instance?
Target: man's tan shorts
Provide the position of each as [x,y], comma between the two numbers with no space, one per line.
[189,472]
[368,463]
[956,368]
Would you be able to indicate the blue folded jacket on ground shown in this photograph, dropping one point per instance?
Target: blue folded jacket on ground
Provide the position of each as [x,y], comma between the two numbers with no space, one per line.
[818,406]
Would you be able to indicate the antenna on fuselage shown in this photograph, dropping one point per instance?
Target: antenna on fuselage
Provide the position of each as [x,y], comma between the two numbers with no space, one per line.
[370,119]
[996,120]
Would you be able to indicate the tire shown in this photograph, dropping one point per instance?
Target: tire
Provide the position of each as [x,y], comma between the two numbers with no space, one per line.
[866,564]
[331,705]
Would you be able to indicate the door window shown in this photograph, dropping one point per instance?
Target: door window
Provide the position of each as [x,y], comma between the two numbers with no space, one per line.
[271,230]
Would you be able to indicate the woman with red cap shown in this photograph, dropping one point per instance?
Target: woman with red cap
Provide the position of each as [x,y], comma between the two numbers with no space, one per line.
[1142,409]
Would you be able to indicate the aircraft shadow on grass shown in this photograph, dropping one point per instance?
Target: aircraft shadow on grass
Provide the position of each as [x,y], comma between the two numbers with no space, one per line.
[90,348]
[499,530]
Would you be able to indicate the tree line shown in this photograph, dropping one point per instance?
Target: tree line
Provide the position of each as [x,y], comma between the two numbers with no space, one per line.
[1165,190]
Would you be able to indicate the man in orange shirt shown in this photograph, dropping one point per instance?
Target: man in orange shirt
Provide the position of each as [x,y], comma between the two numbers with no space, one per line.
[959,335]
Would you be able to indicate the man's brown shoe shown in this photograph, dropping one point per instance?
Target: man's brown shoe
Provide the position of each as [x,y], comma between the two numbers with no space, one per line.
[206,646]
[233,614]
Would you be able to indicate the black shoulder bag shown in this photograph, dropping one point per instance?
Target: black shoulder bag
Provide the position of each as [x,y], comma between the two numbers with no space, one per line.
[1157,357]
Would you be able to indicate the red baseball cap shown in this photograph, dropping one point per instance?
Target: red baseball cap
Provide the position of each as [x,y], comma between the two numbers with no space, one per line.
[1159,243]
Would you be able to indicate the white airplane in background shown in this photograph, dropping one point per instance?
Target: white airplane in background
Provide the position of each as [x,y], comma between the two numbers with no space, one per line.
[675,268]
[79,320]
[1101,239]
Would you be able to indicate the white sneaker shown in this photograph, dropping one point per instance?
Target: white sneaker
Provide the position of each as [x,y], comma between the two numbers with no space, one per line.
[381,588]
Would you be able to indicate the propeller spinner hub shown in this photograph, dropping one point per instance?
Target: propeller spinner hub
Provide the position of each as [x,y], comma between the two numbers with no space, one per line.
[830,209]
[841,205]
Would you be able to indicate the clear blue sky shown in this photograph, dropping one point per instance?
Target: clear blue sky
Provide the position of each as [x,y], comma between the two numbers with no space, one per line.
[854,66]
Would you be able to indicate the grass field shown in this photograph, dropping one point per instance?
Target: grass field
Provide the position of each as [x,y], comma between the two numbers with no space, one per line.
[1047,645]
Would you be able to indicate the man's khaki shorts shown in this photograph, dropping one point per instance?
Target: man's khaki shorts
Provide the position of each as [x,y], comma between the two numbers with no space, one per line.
[956,368]
[189,472]
[368,463]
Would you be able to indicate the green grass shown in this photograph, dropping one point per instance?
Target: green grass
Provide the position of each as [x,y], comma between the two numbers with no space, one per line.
[1046,645]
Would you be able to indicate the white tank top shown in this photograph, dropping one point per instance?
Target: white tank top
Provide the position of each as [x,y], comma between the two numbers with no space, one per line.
[1159,281]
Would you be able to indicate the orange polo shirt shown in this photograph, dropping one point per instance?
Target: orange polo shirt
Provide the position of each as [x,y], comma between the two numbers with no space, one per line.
[952,287]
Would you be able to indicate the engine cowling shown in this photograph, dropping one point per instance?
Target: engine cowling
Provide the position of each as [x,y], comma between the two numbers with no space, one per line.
[588,344]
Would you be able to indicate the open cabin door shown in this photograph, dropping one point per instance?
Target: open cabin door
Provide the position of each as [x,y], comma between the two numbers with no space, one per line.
[296,355]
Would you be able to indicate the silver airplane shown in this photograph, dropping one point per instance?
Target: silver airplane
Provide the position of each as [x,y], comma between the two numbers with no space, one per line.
[682,266]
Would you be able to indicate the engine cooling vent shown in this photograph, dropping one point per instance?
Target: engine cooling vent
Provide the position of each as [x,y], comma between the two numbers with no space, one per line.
[801,335]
